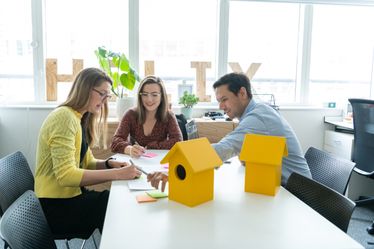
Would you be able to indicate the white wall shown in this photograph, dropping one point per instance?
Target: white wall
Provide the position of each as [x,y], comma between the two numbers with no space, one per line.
[19,127]
[309,125]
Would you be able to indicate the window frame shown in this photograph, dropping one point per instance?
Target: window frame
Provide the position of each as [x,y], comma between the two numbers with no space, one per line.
[304,49]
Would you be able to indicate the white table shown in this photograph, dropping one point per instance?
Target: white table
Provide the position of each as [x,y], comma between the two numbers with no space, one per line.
[234,219]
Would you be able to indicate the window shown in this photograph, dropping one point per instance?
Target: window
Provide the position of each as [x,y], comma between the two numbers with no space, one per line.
[16,55]
[175,33]
[309,53]
[342,53]
[75,29]
[266,33]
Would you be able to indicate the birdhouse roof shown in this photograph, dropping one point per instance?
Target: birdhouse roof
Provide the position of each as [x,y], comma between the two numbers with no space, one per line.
[199,153]
[263,149]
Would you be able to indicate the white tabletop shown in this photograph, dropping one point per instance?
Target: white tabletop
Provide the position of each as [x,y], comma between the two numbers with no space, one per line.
[340,122]
[234,219]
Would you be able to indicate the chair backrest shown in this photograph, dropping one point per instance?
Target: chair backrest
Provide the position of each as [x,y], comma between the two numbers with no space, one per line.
[15,178]
[330,204]
[363,124]
[24,226]
[191,129]
[328,169]
[182,121]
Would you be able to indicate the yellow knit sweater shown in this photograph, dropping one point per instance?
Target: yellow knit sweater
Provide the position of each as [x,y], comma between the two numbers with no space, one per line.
[58,174]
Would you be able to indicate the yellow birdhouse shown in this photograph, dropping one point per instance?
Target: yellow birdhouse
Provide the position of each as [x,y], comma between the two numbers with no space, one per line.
[191,171]
[263,160]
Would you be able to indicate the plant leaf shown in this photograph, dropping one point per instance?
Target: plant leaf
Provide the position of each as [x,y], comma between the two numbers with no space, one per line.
[115,79]
[104,63]
[131,80]
[118,67]
[115,60]
[123,80]
[102,52]
[124,65]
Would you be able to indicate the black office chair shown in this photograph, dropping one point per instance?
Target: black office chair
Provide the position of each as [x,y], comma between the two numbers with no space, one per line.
[328,169]
[363,145]
[330,204]
[191,129]
[182,121]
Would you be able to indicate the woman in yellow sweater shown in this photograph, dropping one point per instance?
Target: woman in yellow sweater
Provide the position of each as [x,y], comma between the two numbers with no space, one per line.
[65,164]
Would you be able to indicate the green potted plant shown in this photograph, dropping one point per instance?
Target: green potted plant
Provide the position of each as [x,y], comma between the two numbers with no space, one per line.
[124,77]
[188,101]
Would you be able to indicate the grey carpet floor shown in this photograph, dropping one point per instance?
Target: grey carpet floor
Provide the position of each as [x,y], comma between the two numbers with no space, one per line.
[362,217]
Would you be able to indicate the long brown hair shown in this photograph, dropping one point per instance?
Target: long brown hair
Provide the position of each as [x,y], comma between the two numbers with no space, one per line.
[162,110]
[78,99]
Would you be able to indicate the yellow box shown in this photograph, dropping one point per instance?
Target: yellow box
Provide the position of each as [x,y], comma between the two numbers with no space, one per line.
[263,160]
[191,171]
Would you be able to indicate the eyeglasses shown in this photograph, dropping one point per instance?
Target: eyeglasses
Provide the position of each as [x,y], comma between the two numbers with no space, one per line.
[103,95]
[153,95]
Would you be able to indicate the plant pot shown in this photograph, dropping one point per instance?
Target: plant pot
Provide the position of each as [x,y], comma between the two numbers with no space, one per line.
[187,112]
[123,104]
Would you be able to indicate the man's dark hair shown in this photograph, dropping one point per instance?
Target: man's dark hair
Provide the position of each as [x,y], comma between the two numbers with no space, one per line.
[235,81]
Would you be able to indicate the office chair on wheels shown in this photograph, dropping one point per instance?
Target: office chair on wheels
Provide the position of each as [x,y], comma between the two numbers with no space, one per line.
[329,203]
[182,121]
[191,129]
[363,148]
[328,169]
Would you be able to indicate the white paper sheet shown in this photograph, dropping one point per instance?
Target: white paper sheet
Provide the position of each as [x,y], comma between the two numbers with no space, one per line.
[139,184]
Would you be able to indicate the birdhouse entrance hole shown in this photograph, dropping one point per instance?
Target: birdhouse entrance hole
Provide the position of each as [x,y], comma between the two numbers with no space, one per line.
[180,172]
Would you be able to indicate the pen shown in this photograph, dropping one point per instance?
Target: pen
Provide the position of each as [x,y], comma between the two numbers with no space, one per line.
[136,143]
[140,169]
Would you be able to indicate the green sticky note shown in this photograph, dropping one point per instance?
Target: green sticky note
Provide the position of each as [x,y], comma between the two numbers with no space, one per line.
[157,194]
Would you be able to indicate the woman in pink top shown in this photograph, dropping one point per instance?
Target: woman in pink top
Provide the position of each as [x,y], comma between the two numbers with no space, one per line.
[150,125]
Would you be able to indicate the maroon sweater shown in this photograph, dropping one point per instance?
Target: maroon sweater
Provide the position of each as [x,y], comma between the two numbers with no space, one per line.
[163,135]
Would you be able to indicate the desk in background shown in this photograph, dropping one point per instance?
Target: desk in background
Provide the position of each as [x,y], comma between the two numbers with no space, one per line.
[214,130]
[339,140]
[340,124]
[234,219]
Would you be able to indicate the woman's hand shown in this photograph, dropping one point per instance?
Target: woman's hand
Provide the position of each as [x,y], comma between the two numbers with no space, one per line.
[135,150]
[128,173]
[116,171]
[117,164]
[155,179]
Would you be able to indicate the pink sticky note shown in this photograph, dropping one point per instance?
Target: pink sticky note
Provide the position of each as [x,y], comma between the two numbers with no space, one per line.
[149,154]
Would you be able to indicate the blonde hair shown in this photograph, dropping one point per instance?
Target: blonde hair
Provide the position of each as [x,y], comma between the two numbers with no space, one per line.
[162,110]
[78,99]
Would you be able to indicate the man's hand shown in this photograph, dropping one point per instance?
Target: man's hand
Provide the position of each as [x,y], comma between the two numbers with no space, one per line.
[155,179]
